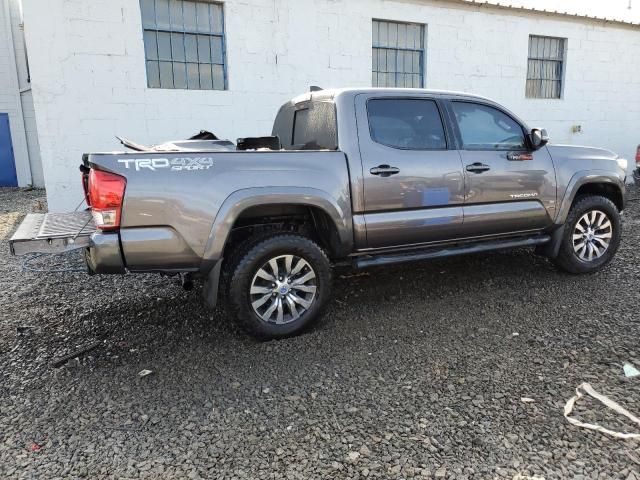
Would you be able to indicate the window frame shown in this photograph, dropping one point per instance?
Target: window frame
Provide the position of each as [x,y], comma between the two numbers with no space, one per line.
[421,51]
[185,31]
[561,61]
[458,133]
[447,142]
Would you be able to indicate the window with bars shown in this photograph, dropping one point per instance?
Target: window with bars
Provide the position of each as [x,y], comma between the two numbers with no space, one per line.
[184,44]
[398,54]
[545,67]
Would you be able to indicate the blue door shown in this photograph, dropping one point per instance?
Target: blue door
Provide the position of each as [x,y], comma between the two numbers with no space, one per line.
[7,163]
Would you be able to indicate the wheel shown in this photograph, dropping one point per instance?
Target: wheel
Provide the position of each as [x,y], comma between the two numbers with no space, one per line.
[279,286]
[591,237]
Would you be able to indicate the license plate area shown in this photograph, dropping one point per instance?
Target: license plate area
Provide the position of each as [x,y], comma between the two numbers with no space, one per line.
[52,233]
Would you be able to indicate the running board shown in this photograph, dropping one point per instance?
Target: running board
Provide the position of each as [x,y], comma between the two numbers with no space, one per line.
[434,252]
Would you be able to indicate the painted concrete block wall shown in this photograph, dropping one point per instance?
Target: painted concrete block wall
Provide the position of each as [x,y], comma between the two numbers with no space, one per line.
[89,82]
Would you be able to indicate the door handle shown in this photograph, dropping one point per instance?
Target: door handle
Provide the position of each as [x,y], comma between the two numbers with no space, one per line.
[478,167]
[384,170]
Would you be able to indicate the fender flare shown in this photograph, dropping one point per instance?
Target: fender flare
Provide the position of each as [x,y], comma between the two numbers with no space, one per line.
[240,200]
[579,179]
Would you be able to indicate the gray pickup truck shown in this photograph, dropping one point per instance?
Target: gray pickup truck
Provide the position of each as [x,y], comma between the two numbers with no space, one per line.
[359,176]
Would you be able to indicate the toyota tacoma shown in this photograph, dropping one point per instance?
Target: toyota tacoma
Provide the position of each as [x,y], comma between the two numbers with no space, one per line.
[363,177]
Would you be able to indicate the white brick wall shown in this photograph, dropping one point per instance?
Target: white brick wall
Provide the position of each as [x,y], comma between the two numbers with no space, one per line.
[88,71]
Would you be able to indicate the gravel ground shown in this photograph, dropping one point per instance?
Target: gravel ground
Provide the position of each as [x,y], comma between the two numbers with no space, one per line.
[417,371]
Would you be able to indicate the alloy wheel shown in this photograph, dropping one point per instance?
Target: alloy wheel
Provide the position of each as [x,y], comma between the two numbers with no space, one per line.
[592,235]
[283,289]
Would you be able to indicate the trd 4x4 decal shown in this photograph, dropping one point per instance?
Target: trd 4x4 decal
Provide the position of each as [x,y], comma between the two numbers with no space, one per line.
[175,164]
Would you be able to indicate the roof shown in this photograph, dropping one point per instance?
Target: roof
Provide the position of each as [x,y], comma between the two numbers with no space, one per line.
[613,11]
[335,92]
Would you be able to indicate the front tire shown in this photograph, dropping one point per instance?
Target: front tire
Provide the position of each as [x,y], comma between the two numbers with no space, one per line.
[591,236]
[279,286]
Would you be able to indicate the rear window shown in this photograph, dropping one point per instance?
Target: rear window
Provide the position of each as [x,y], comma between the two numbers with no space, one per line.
[410,124]
[307,126]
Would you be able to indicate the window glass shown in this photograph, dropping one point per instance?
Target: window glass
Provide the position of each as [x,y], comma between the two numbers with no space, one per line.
[314,127]
[544,67]
[184,44]
[397,54]
[406,123]
[486,128]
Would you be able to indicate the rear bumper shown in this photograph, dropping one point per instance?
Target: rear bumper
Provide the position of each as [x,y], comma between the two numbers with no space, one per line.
[104,254]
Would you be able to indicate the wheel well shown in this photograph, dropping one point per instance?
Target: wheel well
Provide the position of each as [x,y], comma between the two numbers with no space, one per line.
[310,221]
[606,190]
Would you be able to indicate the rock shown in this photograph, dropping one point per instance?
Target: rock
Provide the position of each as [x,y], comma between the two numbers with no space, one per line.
[441,472]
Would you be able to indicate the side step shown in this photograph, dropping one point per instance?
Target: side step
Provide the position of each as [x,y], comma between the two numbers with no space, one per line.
[435,252]
[52,233]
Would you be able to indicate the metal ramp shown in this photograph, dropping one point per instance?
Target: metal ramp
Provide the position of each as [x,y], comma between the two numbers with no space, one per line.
[52,233]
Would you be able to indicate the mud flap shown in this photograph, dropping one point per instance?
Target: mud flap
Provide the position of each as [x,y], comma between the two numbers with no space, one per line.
[552,248]
[211,284]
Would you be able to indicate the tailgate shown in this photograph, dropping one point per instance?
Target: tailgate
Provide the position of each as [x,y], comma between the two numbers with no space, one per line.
[52,233]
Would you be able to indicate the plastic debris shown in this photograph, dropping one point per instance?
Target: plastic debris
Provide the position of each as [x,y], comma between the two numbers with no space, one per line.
[526,400]
[35,447]
[588,389]
[630,371]
[144,373]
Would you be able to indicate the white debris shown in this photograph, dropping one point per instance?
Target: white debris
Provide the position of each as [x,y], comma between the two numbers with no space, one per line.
[630,371]
[144,373]
[588,389]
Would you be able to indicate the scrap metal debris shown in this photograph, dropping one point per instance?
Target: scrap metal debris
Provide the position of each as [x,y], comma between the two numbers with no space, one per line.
[58,362]
[588,389]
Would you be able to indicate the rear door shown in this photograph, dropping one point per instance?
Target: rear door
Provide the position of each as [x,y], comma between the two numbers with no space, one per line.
[509,186]
[8,176]
[412,174]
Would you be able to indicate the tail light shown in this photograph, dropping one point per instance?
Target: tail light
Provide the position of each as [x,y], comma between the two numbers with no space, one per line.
[106,193]
[638,157]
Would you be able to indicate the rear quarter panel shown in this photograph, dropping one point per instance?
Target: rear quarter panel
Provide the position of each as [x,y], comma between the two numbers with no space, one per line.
[174,201]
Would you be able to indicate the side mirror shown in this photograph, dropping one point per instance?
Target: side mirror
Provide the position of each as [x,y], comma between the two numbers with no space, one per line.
[538,138]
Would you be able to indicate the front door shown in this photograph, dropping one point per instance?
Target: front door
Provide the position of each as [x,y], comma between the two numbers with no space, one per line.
[413,180]
[7,163]
[509,186]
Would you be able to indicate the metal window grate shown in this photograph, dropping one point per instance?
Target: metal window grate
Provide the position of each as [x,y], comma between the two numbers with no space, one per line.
[184,44]
[398,54]
[545,67]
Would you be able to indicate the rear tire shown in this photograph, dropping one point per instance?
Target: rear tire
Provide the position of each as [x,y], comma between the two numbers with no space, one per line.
[279,286]
[591,236]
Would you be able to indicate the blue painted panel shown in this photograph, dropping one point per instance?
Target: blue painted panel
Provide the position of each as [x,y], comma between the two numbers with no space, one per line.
[8,176]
